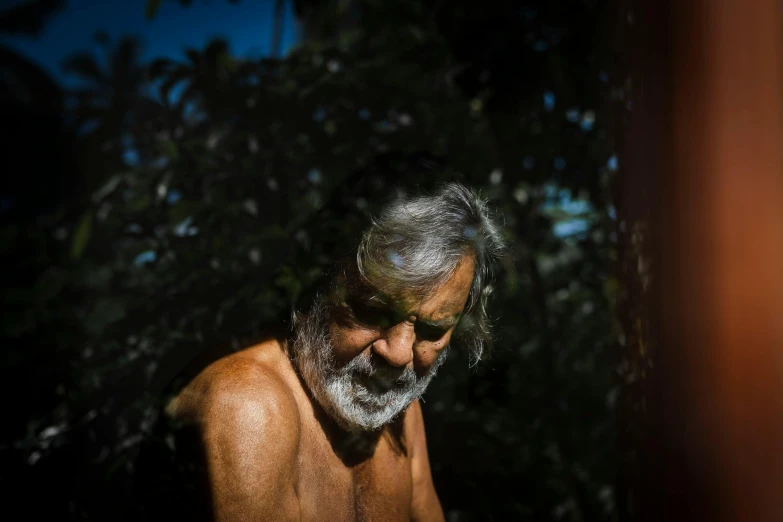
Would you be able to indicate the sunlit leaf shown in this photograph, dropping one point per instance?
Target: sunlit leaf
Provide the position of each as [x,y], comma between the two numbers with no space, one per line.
[81,235]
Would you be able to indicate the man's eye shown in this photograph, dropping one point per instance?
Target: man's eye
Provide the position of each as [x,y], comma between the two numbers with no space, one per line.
[372,315]
[430,333]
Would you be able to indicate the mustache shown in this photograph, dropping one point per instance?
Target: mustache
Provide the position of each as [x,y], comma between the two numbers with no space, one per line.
[363,365]
[387,377]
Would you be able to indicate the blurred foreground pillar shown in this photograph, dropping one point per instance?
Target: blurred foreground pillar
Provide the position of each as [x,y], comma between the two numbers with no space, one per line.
[705,153]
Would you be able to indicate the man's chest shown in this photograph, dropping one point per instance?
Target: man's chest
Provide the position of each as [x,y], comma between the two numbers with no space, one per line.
[378,488]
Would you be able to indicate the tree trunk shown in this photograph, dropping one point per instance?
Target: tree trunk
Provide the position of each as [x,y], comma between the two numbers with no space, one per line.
[277,30]
[705,154]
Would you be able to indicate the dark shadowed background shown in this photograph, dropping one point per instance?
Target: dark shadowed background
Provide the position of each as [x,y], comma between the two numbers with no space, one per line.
[177,174]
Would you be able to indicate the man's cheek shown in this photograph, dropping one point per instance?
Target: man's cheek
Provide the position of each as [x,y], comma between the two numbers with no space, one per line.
[427,356]
[349,343]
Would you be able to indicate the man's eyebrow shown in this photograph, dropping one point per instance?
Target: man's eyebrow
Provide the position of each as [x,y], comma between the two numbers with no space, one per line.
[371,295]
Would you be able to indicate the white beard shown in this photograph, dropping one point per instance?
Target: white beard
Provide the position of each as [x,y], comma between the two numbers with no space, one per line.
[359,396]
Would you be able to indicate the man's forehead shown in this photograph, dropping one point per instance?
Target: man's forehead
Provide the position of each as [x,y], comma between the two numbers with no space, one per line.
[374,293]
[430,302]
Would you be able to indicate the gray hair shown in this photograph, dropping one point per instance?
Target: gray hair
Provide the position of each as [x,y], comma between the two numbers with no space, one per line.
[416,244]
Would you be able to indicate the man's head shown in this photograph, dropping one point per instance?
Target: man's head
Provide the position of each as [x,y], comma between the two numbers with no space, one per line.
[372,342]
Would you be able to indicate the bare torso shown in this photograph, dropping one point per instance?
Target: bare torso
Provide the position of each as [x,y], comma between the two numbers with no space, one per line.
[334,476]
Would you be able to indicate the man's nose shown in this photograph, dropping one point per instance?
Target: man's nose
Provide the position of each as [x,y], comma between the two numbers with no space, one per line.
[396,345]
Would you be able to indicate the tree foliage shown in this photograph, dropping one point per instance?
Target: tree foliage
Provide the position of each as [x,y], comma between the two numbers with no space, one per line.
[217,189]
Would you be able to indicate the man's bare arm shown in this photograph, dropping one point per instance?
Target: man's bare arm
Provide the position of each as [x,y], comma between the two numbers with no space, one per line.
[425,504]
[250,431]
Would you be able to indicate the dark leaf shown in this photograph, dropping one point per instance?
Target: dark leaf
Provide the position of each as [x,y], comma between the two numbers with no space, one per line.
[85,66]
[151,8]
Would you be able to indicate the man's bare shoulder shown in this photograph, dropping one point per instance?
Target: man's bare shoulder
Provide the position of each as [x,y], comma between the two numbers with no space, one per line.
[249,387]
[248,420]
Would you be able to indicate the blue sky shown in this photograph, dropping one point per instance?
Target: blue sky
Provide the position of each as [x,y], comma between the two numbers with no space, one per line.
[247,26]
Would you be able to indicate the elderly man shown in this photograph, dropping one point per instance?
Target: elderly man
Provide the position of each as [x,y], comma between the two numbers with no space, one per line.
[327,425]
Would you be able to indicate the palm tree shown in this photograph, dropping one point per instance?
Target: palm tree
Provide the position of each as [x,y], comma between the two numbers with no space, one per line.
[107,98]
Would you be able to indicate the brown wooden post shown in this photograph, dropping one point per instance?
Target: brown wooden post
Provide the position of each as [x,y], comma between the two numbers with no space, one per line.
[708,115]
